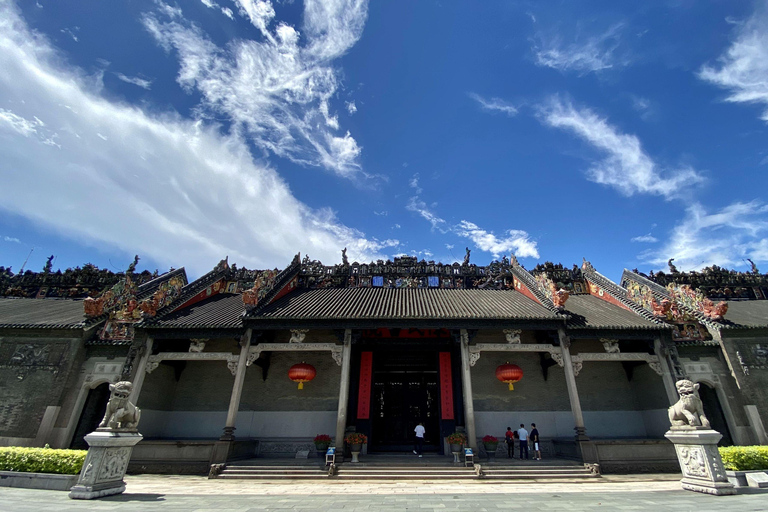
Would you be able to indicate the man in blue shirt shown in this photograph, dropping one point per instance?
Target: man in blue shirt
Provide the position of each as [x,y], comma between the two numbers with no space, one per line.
[523,434]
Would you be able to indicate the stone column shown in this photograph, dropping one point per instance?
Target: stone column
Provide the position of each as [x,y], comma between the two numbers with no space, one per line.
[141,371]
[237,388]
[341,418]
[666,374]
[466,386]
[570,382]
[223,446]
[586,448]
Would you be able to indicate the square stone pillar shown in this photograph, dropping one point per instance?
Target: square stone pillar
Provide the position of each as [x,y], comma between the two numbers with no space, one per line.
[105,464]
[700,460]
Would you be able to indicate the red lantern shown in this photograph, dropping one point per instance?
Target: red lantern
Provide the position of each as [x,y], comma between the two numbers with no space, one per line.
[302,373]
[509,374]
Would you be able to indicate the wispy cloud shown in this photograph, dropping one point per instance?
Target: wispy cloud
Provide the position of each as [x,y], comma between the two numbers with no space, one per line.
[415,204]
[11,239]
[27,127]
[743,68]
[649,239]
[726,237]
[135,80]
[70,33]
[212,199]
[625,166]
[592,54]
[516,241]
[494,105]
[277,90]
[351,107]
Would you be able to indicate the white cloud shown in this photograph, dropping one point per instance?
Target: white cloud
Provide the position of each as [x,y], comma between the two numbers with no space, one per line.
[69,33]
[226,11]
[28,128]
[11,239]
[175,190]
[726,237]
[351,107]
[743,68]
[645,239]
[277,91]
[135,80]
[494,105]
[414,183]
[517,242]
[626,166]
[594,54]
[418,206]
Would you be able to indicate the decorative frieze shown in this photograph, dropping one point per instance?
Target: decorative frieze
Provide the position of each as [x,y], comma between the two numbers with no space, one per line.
[154,361]
[298,335]
[474,351]
[255,351]
[611,346]
[513,335]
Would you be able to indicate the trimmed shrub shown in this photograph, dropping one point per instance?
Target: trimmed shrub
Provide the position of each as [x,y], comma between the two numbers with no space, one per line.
[744,458]
[42,460]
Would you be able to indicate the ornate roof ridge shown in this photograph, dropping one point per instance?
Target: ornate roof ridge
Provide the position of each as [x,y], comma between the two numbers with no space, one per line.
[530,282]
[617,292]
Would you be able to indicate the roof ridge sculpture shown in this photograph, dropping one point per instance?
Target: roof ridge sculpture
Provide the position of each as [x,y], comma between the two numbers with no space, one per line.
[268,284]
[677,302]
[616,291]
[549,299]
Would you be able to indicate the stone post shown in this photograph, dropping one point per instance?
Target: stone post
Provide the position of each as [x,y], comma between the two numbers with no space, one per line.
[223,446]
[141,371]
[341,418]
[586,448]
[666,374]
[466,386]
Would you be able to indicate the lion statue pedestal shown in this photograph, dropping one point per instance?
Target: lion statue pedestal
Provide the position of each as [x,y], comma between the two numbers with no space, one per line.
[696,444]
[109,447]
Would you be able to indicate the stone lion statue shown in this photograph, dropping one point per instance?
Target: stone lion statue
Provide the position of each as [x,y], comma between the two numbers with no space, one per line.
[121,413]
[688,411]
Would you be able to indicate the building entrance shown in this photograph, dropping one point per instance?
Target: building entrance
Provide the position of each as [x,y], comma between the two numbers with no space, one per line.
[405,392]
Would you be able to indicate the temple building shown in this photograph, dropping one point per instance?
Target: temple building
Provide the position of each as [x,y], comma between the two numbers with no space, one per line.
[247,363]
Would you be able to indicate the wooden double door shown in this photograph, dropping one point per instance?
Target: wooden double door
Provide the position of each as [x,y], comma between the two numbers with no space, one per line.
[404,392]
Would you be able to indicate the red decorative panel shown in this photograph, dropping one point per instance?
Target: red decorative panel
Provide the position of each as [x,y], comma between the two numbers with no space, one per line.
[446,386]
[607,297]
[214,289]
[364,391]
[520,286]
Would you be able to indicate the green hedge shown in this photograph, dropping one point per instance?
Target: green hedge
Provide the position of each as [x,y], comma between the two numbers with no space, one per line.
[744,458]
[42,460]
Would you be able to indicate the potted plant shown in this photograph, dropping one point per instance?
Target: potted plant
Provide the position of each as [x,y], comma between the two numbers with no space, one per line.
[490,443]
[355,440]
[457,440]
[322,442]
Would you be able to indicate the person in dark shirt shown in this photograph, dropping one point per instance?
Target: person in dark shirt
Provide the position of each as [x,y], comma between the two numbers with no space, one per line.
[535,441]
[509,438]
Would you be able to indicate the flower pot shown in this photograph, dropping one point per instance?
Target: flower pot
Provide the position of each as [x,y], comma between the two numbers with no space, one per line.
[490,449]
[355,449]
[455,448]
[321,449]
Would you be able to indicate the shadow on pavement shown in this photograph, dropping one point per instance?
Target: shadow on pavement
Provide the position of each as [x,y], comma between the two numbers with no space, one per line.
[135,497]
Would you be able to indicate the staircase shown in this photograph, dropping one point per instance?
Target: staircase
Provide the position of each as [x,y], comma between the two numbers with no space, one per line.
[405,472]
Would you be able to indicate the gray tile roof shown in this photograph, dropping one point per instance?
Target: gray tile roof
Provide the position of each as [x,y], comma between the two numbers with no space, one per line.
[746,313]
[41,313]
[589,312]
[409,304]
[222,311]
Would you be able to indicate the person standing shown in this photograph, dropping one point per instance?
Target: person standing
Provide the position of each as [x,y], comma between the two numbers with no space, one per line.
[523,435]
[509,438]
[535,441]
[419,431]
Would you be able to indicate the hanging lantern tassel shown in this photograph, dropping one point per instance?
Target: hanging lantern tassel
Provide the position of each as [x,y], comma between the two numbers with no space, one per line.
[509,374]
[302,373]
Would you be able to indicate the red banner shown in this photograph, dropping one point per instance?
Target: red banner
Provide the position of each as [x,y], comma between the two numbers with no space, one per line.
[364,391]
[446,386]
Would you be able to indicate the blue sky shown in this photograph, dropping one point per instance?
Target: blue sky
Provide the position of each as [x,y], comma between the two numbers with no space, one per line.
[185,132]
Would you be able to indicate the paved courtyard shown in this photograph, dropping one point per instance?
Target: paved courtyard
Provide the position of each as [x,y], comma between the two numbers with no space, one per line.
[191,493]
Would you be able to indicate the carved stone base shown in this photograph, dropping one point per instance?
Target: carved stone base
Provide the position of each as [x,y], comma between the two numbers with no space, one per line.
[105,464]
[700,461]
